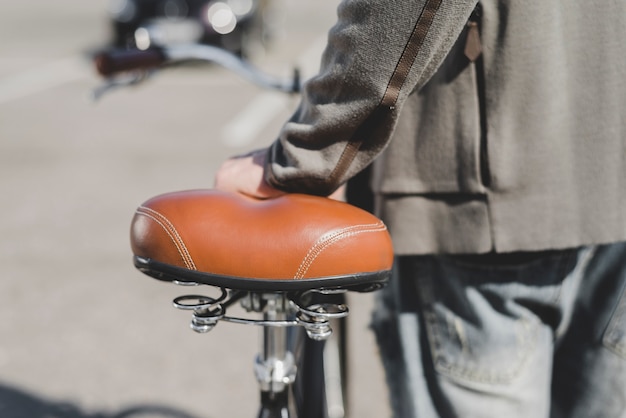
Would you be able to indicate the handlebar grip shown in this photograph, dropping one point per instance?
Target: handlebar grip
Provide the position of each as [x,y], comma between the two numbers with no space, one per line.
[116,61]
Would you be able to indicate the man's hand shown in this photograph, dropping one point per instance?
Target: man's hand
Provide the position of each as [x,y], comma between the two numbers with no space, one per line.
[244,175]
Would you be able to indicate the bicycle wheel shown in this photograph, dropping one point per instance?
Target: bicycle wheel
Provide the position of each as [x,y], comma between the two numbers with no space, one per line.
[320,390]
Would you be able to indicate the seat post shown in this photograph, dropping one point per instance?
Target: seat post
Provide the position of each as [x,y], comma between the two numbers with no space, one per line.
[275,365]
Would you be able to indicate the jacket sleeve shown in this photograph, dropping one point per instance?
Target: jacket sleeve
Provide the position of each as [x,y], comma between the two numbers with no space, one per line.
[378,52]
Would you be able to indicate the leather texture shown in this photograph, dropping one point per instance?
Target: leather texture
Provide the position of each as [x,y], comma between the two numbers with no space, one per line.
[292,237]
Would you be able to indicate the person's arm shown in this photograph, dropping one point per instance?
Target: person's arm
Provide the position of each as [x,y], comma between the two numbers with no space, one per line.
[378,52]
[349,110]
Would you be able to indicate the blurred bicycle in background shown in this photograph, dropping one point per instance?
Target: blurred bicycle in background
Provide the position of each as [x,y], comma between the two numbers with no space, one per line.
[239,26]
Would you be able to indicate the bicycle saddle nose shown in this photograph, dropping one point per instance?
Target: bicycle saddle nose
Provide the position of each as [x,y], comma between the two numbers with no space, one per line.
[293,242]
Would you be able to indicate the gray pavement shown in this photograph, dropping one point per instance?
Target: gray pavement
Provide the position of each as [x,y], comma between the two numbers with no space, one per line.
[82,334]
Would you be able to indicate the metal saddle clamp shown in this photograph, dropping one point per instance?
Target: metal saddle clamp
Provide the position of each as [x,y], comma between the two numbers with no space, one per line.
[275,366]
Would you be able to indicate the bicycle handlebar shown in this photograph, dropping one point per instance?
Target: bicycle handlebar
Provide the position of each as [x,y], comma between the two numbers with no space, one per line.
[110,63]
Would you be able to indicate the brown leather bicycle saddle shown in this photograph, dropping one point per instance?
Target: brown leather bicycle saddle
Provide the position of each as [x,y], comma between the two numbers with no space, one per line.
[294,242]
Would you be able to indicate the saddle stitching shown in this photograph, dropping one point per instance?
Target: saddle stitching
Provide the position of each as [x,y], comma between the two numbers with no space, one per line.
[171,231]
[327,240]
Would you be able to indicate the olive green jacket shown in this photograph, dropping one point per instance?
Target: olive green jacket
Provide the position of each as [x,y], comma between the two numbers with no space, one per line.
[498,127]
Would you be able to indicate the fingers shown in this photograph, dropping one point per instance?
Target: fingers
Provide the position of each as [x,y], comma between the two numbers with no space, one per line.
[245,174]
[339,194]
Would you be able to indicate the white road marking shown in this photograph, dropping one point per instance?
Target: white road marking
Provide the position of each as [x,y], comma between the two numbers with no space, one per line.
[39,79]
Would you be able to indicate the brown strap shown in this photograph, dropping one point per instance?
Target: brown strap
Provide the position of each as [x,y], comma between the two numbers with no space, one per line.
[392,92]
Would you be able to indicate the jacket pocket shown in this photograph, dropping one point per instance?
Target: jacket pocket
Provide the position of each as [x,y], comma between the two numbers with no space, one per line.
[473,52]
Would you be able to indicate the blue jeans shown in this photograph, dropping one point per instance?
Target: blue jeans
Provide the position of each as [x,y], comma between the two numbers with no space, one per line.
[512,335]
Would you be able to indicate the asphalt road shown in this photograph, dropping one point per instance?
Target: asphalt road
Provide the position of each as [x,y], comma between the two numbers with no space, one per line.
[82,334]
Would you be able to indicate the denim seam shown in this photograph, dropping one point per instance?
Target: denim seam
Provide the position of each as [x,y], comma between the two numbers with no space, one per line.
[614,338]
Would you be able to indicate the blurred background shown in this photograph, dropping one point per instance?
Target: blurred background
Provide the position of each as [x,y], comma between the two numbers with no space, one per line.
[82,333]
